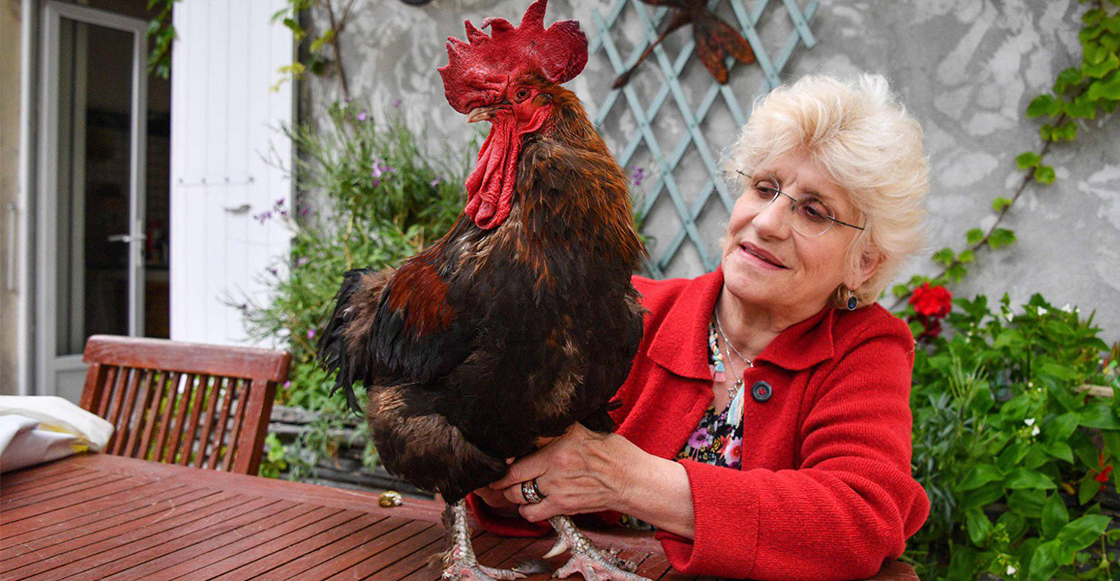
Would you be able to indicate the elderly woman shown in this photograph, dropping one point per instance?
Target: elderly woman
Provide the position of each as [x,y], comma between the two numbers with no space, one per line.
[764,429]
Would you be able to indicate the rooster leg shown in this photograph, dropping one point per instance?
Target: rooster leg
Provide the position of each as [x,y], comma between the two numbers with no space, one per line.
[594,563]
[460,563]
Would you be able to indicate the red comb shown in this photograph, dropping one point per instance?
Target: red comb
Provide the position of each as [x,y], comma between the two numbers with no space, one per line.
[479,69]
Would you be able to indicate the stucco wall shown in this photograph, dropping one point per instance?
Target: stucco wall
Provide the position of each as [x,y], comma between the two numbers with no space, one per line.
[965,68]
[9,185]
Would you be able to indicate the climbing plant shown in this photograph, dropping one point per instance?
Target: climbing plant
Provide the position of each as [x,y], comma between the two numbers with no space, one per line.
[1078,93]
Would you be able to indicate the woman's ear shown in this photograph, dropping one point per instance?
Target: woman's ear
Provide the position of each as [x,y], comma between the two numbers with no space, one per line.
[868,265]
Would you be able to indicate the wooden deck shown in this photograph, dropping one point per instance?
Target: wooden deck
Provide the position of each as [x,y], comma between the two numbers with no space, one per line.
[95,516]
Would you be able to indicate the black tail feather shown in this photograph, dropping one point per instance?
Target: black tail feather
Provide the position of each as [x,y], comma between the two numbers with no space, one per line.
[333,350]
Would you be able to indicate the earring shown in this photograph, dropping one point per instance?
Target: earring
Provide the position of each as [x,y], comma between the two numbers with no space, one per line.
[852,301]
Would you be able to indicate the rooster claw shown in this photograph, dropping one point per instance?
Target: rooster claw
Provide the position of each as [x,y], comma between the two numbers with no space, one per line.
[480,573]
[597,566]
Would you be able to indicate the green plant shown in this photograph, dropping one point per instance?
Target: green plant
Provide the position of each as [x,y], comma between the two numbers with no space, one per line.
[274,461]
[1009,447]
[162,33]
[385,198]
[1078,93]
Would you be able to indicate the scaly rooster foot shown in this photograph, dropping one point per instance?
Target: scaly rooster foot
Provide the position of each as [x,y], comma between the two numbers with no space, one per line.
[460,562]
[587,559]
[476,572]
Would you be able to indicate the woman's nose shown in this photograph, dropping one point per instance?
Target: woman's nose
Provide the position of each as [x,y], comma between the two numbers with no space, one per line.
[774,221]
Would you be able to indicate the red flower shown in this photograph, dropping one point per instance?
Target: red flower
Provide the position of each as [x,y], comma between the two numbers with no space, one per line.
[930,301]
[1102,471]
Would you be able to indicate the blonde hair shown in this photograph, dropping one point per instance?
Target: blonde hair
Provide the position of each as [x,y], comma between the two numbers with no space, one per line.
[867,143]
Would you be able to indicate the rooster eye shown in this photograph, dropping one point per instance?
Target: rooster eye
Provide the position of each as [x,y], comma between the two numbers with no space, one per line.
[521,94]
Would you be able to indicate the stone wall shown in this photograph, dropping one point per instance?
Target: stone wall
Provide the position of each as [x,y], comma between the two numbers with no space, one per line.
[965,68]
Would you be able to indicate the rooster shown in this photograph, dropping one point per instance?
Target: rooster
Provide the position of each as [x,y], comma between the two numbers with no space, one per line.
[521,320]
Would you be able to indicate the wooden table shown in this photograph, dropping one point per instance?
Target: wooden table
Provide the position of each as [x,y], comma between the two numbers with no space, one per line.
[95,516]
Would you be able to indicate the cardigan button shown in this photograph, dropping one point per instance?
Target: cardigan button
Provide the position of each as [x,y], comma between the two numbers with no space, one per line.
[761,391]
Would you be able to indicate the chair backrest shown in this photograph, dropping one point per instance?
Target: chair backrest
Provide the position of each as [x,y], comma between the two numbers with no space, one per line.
[183,403]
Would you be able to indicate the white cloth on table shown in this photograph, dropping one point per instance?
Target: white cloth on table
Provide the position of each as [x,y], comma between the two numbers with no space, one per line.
[35,429]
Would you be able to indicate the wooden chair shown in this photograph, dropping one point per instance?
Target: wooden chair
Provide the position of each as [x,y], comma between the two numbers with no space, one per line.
[147,388]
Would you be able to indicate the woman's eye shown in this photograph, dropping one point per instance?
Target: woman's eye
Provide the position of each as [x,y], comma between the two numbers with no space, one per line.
[815,211]
[765,192]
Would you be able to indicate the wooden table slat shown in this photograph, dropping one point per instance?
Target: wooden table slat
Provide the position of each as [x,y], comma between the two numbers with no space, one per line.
[65,489]
[302,567]
[174,564]
[411,536]
[318,541]
[134,530]
[22,488]
[95,516]
[185,544]
[116,518]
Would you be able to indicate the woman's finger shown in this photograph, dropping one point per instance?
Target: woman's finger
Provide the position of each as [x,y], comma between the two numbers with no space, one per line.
[524,469]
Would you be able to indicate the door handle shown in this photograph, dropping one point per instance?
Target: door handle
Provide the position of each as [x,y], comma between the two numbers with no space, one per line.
[12,255]
[238,209]
[127,238]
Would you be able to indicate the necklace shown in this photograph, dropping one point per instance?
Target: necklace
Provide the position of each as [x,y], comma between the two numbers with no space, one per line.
[738,379]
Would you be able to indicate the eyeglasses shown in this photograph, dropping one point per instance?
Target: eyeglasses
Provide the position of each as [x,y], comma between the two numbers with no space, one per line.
[811,216]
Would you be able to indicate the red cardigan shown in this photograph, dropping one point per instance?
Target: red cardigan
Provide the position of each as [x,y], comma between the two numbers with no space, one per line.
[825,490]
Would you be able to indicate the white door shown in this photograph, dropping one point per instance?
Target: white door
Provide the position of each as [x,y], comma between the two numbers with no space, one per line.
[91,185]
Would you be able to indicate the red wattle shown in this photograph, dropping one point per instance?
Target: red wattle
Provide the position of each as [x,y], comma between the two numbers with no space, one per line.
[490,185]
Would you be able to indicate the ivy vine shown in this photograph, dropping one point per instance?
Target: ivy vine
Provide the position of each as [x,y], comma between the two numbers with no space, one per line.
[316,59]
[162,31]
[1078,93]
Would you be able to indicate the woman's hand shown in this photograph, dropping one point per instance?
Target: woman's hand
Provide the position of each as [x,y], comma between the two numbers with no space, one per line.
[581,471]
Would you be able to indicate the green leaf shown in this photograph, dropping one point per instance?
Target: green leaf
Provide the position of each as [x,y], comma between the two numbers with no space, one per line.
[1022,478]
[1062,426]
[1060,450]
[944,256]
[1083,531]
[1044,105]
[964,563]
[1105,89]
[1000,203]
[1054,515]
[1108,64]
[956,272]
[966,256]
[988,494]
[1082,108]
[1028,503]
[1100,416]
[1001,238]
[1044,173]
[1066,79]
[1046,132]
[1067,131]
[318,44]
[979,475]
[1011,456]
[1013,523]
[975,236]
[978,526]
[1027,159]
[1043,565]
[1088,489]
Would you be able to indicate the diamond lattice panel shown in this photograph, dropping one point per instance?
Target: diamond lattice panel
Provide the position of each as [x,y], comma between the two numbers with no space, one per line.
[670,124]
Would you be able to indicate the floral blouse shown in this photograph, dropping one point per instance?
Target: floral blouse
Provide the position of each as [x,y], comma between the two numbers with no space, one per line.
[718,439]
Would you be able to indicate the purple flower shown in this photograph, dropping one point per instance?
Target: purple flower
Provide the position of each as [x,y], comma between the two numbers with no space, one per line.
[363,115]
[700,438]
[397,103]
[311,333]
[436,181]
[302,261]
[638,175]
[376,182]
[287,385]
[272,270]
[280,202]
[304,210]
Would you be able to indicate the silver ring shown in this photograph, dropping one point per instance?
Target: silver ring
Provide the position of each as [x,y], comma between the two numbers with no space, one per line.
[531,493]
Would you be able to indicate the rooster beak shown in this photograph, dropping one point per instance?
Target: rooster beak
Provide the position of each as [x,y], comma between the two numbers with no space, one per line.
[480,114]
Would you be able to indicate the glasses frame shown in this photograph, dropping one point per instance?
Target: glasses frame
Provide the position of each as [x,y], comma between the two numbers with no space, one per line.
[795,203]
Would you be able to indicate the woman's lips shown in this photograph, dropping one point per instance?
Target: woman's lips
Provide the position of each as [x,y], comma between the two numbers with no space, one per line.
[761,256]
